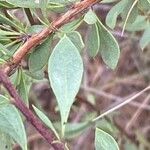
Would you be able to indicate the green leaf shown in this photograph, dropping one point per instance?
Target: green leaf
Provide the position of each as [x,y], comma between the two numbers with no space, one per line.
[132,15]
[144,5]
[25,3]
[35,29]
[104,141]
[5,4]
[3,32]
[145,40]
[76,39]
[3,50]
[3,100]
[109,47]
[74,130]
[39,57]
[22,86]
[65,71]
[5,20]
[114,12]
[5,141]
[39,75]
[11,124]
[139,24]
[46,120]
[128,14]
[72,25]
[93,43]
[90,17]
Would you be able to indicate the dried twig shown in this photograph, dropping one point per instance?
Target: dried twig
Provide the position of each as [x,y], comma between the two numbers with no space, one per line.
[137,113]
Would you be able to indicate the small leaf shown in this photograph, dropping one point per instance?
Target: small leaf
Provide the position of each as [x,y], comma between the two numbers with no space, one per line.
[128,15]
[22,86]
[104,141]
[39,57]
[3,100]
[139,24]
[11,123]
[46,120]
[93,43]
[145,40]
[126,10]
[109,47]
[72,25]
[3,32]
[35,29]
[25,3]
[90,17]
[76,39]
[114,12]
[65,71]
[5,4]
[5,20]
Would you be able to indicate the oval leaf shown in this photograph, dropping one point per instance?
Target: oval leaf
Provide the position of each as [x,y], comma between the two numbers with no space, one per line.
[109,47]
[104,141]
[65,71]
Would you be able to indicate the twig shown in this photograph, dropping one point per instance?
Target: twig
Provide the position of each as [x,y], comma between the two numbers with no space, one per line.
[110,96]
[36,122]
[114,108]
[137,113]
[38,38]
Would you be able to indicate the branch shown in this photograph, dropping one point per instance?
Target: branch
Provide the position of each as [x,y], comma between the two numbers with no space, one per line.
[21,53]
[38,38]
[35,121]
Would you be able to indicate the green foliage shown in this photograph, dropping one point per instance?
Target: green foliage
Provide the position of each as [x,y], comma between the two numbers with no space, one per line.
[62,60]
[11,123]
[109,47]
[76,39]
[25,3]
[90,17]
[65,69]
[22,86]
